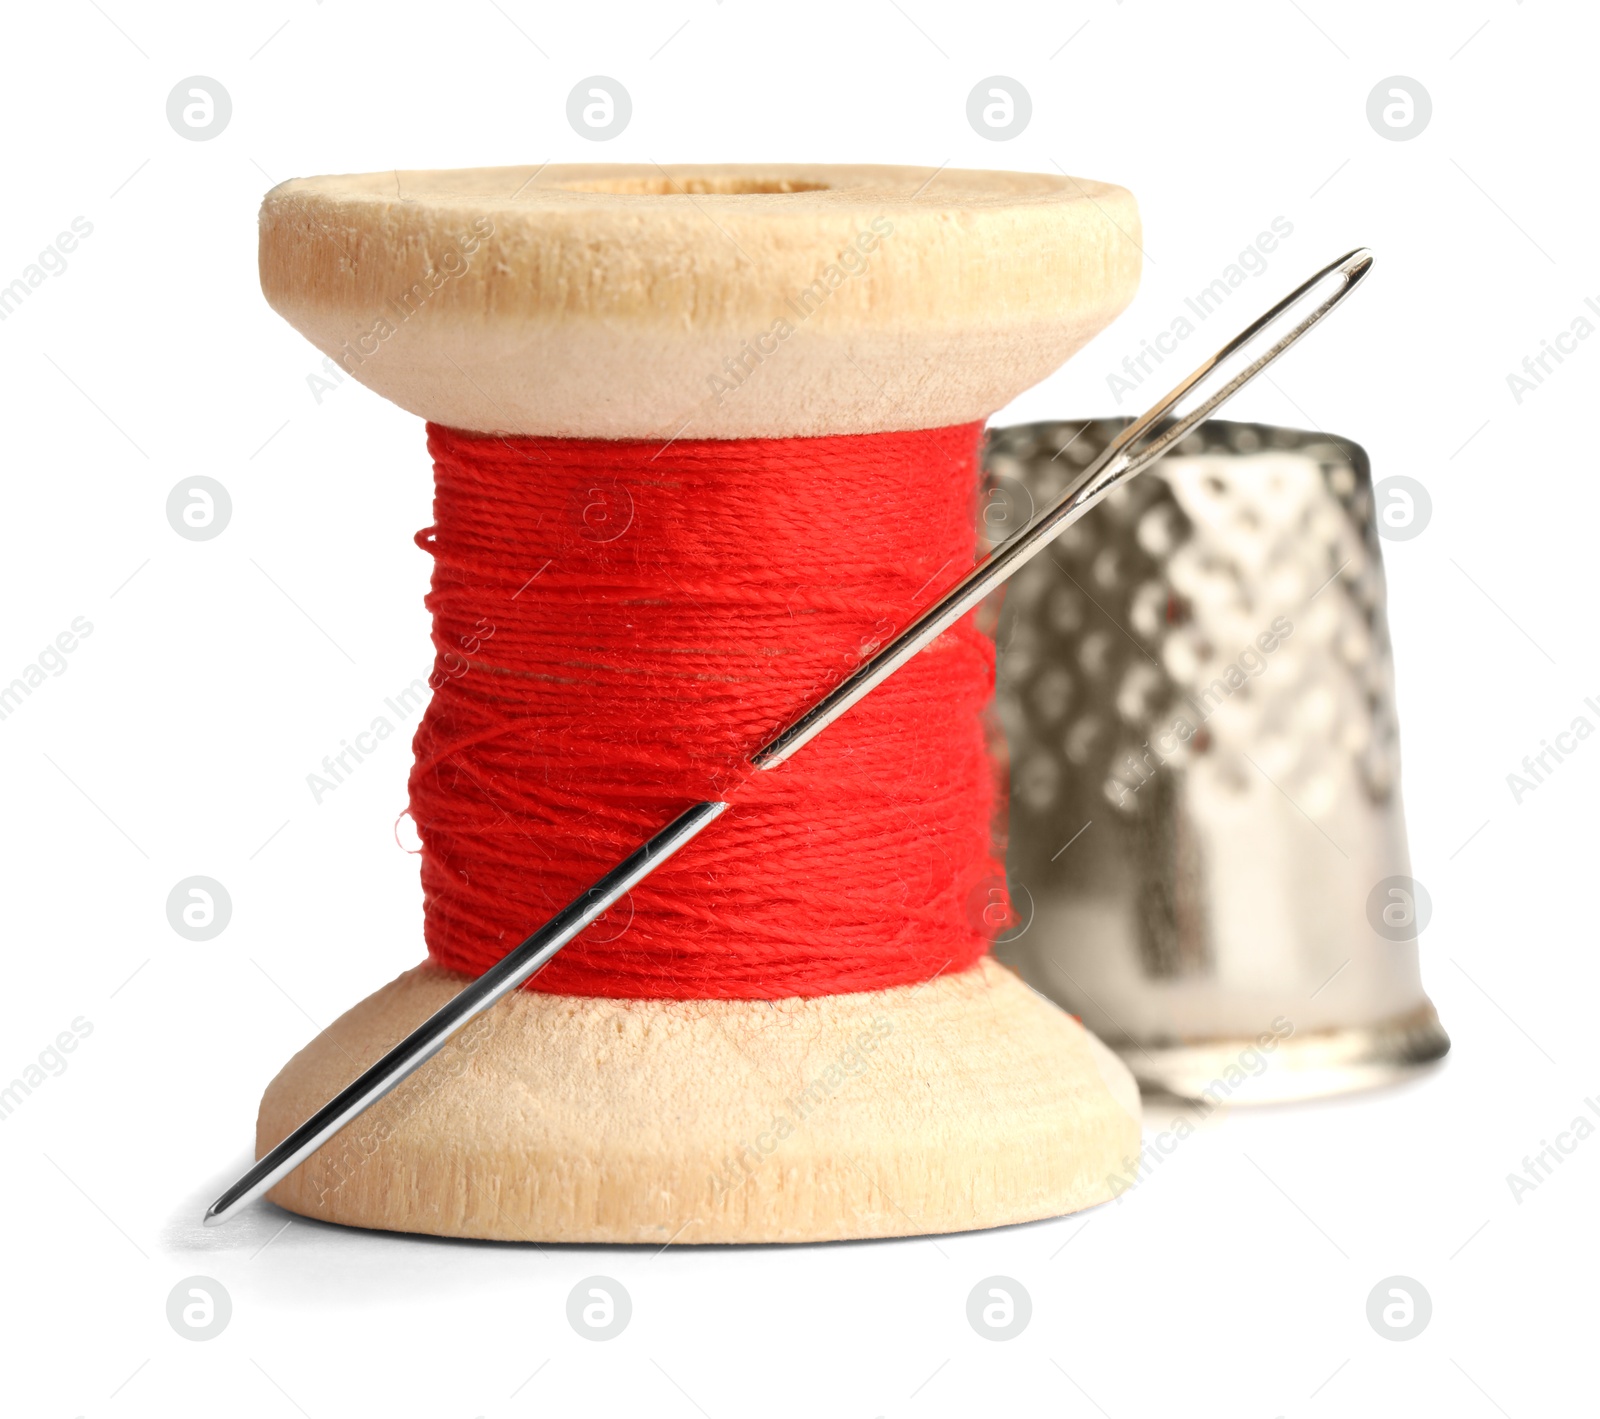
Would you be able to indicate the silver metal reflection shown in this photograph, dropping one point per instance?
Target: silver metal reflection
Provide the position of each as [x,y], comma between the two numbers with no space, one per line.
[1197,690]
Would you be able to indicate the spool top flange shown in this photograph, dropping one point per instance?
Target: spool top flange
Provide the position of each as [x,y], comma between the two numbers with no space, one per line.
[727,301]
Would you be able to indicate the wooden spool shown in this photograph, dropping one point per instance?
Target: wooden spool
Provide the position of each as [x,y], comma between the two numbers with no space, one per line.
[606,302]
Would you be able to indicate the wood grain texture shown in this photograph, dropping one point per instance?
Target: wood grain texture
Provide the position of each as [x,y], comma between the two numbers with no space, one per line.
[625,301]
[966,1102]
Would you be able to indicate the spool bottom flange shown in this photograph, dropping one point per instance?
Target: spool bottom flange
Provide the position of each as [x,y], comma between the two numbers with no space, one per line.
[967,1102]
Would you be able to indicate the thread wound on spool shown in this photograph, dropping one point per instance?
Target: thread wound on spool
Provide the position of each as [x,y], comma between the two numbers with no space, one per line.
[618,626]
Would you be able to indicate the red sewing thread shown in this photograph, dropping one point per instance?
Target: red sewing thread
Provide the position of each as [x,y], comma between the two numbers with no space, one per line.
[619,626]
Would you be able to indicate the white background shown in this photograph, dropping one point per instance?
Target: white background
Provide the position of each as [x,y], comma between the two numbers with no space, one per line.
[178,739]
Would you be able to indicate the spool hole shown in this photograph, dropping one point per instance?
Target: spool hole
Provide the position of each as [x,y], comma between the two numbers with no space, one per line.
[719,186]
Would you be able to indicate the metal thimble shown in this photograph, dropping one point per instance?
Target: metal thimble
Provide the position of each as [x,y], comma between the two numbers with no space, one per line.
[1207,851]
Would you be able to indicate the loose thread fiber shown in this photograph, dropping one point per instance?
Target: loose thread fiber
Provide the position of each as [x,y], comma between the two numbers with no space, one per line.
[618,626]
